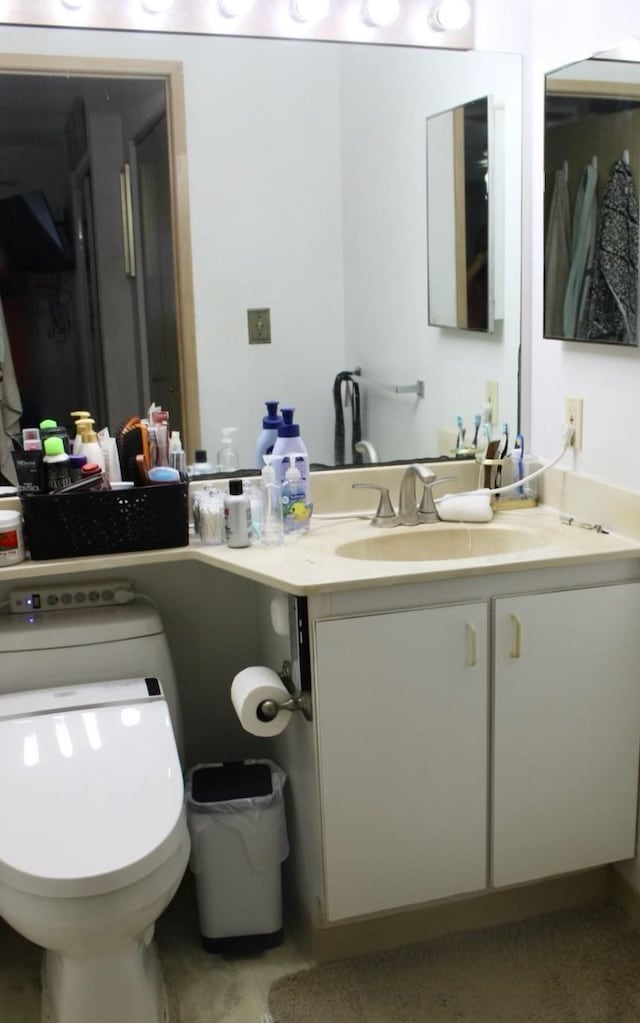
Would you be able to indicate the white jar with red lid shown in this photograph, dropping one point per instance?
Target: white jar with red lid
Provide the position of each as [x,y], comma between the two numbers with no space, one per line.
[11,539]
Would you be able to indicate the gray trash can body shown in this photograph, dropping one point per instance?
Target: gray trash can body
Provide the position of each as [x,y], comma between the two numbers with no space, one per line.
[239,840]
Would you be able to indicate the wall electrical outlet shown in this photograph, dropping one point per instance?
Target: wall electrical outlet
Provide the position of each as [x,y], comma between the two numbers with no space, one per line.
[68,595]
[491,399]
[573,415]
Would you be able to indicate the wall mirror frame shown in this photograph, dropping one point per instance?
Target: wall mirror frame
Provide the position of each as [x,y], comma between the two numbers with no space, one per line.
[403,413]
[592,178]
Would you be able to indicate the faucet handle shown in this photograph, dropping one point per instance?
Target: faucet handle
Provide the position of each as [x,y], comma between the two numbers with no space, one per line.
[385,515]
[427,506]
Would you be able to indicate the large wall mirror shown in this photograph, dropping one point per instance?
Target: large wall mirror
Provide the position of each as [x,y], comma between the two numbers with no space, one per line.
[592,174]
[304,165]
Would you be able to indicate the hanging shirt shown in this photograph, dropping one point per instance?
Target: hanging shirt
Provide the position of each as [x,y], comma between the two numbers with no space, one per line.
[583,244]
[557,257]
[613,301]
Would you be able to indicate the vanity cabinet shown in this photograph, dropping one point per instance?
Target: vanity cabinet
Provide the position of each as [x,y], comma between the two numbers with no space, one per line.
[401,708]
[475,745]
[566,727]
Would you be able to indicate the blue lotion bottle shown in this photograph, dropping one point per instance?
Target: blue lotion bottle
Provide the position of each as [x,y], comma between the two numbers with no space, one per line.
[269,434]
[290,442]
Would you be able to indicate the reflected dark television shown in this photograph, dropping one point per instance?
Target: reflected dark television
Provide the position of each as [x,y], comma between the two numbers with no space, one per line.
[29,238]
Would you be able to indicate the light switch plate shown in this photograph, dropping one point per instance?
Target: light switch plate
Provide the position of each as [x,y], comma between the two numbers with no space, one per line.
[259,326]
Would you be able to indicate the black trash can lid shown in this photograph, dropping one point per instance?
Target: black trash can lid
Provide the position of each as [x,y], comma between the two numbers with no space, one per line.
[220,783]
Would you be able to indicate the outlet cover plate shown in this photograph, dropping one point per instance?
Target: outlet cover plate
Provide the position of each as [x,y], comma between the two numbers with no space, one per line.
[573,414]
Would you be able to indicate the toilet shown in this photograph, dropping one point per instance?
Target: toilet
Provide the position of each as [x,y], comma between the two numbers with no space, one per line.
[94,839]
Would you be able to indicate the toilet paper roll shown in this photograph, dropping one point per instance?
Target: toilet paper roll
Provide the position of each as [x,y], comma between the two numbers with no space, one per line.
[249,688]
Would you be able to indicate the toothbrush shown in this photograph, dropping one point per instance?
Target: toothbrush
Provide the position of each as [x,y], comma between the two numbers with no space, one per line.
[476,423]
[519,444]
[461,434]
[503,449]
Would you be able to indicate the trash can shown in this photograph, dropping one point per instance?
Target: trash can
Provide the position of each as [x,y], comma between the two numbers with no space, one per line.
[235,813]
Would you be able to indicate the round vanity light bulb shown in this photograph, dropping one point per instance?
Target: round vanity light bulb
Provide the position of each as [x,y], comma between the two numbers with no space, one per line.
[380,12]
[156,6]
[309,10]
[450,15]
[73,4]
[235,8]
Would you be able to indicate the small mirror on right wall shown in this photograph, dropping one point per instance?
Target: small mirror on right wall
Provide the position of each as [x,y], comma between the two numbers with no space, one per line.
[592,168]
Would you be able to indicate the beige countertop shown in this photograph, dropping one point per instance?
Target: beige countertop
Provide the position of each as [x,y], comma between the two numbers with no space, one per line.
[308,564]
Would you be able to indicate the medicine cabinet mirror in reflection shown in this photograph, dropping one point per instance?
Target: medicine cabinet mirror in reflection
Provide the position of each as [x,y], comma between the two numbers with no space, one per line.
[461,216]
[592,167]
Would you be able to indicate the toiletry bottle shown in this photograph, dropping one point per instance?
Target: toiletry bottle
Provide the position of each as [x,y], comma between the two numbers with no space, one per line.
[56,464]
[91,448]
[271,521]
[31,440]
[83,426]
[177,457]
[112,467]
[227,457]
[160,422]
[201,466]
[290,442]
[79,419]
[76,462]
[296,511]
[237,516]
[269,434]
[50,428]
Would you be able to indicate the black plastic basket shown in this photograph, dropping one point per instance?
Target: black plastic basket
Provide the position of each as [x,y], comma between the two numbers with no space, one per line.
[106,521]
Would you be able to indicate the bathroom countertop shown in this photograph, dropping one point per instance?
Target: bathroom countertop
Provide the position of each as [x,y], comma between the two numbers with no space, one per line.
[307,564]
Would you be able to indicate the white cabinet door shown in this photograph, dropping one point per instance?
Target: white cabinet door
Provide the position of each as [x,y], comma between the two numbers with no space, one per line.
[566,731]
[401,704]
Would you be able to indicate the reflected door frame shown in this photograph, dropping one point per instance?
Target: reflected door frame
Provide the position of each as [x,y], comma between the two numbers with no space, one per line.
[171,73]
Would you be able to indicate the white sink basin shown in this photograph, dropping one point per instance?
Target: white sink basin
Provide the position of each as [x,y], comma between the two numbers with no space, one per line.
[440,543]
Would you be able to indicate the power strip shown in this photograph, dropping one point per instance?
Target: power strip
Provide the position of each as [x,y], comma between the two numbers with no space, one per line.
[68,595]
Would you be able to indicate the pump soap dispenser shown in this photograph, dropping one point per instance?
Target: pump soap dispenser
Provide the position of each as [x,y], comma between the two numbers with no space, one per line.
[271,521]
[269,433]
[227,457]
[296,509]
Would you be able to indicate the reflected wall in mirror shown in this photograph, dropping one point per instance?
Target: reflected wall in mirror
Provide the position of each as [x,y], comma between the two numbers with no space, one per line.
[592,173]
[311,202]
[460,216]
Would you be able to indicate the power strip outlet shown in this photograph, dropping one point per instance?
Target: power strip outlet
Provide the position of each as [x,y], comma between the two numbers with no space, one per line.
[68,595]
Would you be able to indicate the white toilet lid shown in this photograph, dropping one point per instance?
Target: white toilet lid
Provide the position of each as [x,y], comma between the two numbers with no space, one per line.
[91,796]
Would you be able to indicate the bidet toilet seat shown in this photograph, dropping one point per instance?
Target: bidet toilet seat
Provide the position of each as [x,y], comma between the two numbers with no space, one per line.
[91,788]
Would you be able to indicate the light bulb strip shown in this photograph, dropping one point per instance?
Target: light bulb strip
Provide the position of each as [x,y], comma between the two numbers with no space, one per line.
[343,22]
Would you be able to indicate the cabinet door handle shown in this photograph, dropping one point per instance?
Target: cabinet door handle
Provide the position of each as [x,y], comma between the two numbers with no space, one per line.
[517,635]
[472,645]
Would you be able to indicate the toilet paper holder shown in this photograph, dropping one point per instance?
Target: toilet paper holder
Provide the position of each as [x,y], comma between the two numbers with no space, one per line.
[269,709]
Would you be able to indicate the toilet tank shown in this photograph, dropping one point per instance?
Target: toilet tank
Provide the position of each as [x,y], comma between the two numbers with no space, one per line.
[94,644]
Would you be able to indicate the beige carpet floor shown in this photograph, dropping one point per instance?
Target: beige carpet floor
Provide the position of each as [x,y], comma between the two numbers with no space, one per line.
[579,966]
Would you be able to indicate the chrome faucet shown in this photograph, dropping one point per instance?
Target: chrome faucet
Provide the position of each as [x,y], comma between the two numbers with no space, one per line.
[409,512]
